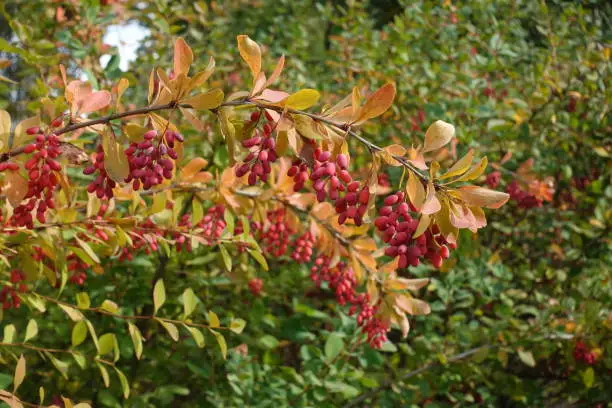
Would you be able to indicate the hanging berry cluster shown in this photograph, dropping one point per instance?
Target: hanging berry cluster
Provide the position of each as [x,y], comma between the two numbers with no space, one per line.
[398,227]
[42,178]
[152,160]
[342,281]
[9,296]
[102,185]
[262,151]
[584,354]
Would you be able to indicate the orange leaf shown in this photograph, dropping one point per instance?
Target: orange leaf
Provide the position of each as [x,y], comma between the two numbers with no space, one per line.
[15,187]
[376,104]
[415,190]
[277,71]
[190,169]
[183,57]
[482,197]
[94,101]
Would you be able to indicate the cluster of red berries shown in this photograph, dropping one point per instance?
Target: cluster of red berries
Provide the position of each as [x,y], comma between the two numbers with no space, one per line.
[302,248]
[275,232]
[582,353]
[262,151]
[144,237]
[212,225]
[299,172]
[102,185]
[524,199]
[152,161]
[8,166]
[397,227]
[77,267]
[255,286]
[42,181]
[9,296]
[342,281]
[330,178]
[493,179]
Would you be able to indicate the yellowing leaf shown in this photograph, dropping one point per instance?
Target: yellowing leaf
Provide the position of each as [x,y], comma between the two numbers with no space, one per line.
[302,99]
[125,386]
[460,167]
[170,328]
[424,221]
[189,301]
[376,104]
[136,339]
[476,171]
[213,319]
[197,335]
[250,53]
[183,57]
[159,295]
[237,325]
[115,160]
[277,71]
[31,330]
[20,372]
[204,101]
[5,129]
[483,197]
[221,342]
[438,135]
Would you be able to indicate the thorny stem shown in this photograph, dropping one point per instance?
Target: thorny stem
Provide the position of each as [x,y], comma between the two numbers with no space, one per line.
[344,127]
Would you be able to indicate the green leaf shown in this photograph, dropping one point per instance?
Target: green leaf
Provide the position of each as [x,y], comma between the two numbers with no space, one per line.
[107,343]
[104,374]
[80,360]
[197,211]
[229,221]
[79,333]
[31,330]
[159,295]
[125,386]
[588,377]
[189,301]
[60,365]
[237,325]
[88,250]
[92,333]
[333,346]
[83,301]
[9,333]
[258,256]
[225,256]
[136,339]
[527,358]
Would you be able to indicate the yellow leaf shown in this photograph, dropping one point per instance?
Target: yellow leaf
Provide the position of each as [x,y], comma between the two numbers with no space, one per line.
[460,167]
[376,104]
[204,101]
[159,295]
[15,187]
[483,197]
[438,135]
[302,99]
[5,129]
[412,306]
[202,76]
[222,343]
[250,53]
[415,190]
[115,160]
[183,57]
[213,319]
[159,203]
[403,283]
[170,328]
[151,85]
[476,171]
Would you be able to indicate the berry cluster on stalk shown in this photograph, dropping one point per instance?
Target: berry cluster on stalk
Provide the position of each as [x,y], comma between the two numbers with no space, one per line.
[584,354]
[274,233]
[9,295]
[341,279]
[212,226]
[397,227]
[262,151]
[42,178]
[524,199]
[302,248]
[102,185]
[152,160]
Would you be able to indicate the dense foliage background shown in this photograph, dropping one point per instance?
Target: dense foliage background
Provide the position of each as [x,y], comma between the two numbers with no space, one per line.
[524,82]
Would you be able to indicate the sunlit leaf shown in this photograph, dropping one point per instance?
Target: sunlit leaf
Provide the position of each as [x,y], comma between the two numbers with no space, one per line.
[20,372]
[438,135]
[376,104]
[183,57]
[250,53]
[159,295]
